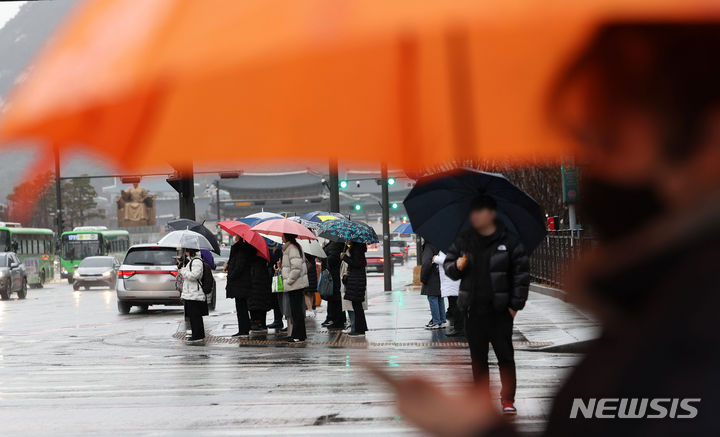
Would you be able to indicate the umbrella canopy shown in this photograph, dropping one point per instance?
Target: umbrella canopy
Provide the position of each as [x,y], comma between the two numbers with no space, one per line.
[313,226]
[439,207]
[311,247]
[404,228]
[321,216]
[243,231]
[185,239]
[198,227]
[348,230]
[278,227]
[432,81]
[264,215]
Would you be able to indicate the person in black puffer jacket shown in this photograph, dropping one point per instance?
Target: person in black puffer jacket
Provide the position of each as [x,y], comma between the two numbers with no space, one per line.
[239,282]
[335,315]
[356,284]
[312,281]
[261,299]
[493,270]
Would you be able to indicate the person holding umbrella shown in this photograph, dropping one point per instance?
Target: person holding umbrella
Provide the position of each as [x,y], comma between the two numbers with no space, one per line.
[430,278]
[295,280]
[193,297]
[356,285]
[493,270]
[239,282]
[335,314]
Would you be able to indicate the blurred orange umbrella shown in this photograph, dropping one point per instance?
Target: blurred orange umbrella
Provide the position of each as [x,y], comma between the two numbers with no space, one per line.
[403,82]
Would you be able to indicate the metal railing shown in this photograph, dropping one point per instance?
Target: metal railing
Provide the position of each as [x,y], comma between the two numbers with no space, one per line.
[551,260]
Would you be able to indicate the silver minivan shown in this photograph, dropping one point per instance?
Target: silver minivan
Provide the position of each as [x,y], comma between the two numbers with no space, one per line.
[147,277]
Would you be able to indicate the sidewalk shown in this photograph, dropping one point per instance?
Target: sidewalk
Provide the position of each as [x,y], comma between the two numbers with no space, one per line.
[397,339]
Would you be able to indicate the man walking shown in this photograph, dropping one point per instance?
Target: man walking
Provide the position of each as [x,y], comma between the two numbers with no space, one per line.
[492,267]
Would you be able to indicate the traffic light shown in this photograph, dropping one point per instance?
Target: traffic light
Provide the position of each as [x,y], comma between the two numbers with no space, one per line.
[391,181]
[357,207]
[394,205]
[343,184]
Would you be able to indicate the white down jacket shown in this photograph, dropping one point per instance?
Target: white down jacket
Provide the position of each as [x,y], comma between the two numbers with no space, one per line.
[448,287]
[294,268]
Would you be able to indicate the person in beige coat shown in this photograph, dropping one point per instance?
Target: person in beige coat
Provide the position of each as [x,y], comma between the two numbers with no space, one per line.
[295,281]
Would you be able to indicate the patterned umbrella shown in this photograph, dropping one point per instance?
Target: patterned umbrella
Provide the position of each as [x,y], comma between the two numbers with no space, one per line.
[313,226]
[347,230]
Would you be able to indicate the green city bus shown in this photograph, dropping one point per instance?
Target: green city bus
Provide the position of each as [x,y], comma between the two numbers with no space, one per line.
[34,247]
[84,241]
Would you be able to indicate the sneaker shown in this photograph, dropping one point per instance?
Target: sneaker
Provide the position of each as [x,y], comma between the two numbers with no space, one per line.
[295,340]
[508,407]
[429,324]
[356,334]
[327,323]
[443,324]
[195,340]
[276,324]
[240,335]
[432,326]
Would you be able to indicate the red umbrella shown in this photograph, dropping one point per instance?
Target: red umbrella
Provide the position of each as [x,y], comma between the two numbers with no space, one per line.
[278,227]
[246,233]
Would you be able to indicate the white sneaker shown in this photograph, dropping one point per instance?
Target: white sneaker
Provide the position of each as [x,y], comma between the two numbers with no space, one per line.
[432,326]
[429,324]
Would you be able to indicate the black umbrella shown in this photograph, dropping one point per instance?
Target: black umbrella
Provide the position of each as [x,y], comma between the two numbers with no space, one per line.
[192,225]
[439,206]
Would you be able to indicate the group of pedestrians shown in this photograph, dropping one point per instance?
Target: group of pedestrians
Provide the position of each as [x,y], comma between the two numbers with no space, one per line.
[249,283]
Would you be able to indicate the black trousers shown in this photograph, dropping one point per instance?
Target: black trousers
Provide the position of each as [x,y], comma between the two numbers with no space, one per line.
[335,312]
[495,328]
[359,314]
[258,318]
[454,313]
[277,313]
[194,312]
[243,316]
[297,310]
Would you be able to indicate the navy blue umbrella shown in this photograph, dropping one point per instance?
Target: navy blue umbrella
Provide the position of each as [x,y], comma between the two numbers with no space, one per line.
[439,206]
[317,216]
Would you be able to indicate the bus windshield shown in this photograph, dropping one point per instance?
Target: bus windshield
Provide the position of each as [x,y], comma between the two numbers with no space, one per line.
[4,240]
[80,246]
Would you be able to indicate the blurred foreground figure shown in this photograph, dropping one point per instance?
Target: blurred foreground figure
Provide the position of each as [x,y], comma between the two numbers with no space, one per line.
[643,101]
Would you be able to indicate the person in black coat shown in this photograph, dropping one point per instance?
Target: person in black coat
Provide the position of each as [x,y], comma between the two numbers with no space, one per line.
[335,315]
[275,256]
[356,284]
[239,282]
[493,270]
[430,279]
[261,299]
[312,281]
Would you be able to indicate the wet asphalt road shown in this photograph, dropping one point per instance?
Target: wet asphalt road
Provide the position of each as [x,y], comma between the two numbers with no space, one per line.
[70,364]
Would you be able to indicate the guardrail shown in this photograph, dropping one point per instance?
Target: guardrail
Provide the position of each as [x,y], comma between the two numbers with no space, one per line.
[556,254]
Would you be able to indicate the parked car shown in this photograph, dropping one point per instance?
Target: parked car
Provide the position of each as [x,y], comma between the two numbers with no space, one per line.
[13,278]
[96,271]
[399,251]
[147,276]
[375,260]
[221,260]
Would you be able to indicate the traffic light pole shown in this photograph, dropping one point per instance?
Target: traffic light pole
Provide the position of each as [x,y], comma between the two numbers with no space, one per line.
[387,255]
[58,193]
[334,186]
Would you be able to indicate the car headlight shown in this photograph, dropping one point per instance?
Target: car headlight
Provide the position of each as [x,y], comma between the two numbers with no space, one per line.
[107,274]
[2,273]
[64,270]
[76,275]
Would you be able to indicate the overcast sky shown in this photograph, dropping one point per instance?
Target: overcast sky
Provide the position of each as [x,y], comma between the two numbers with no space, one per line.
[8,10]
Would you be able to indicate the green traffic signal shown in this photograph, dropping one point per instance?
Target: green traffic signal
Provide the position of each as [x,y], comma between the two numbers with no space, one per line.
[343,184]
[394,205]
[391,181]
[358,207]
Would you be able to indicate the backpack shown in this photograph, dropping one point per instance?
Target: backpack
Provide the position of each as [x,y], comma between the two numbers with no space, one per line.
[206,281]
[325,285]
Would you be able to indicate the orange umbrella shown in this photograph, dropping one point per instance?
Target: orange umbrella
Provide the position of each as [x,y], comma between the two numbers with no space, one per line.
[403,82]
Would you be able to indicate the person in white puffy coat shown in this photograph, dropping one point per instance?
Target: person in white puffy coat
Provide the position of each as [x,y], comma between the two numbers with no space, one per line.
[449,289]
[192,294]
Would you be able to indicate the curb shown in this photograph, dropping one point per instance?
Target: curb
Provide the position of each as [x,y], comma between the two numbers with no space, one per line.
[549,291]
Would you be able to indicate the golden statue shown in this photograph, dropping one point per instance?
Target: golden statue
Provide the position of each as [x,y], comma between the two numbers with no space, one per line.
[136,207]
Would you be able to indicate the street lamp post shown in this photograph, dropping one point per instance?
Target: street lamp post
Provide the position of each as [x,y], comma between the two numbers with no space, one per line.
[334,186]
[385,203]
[58,193]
